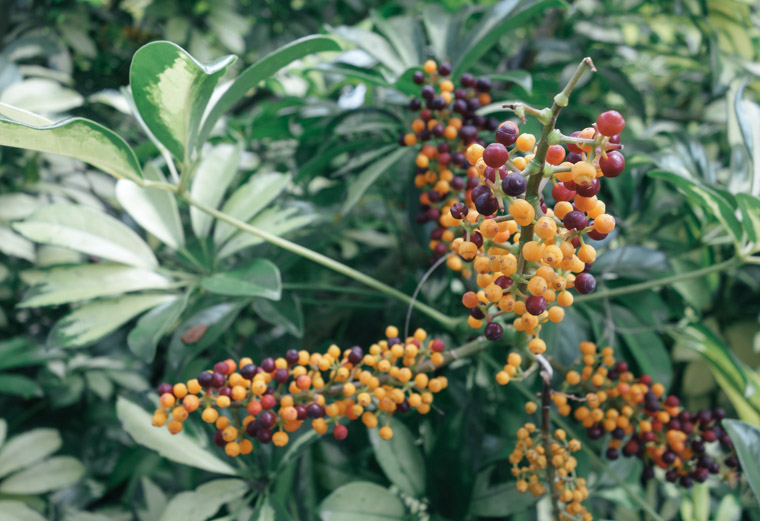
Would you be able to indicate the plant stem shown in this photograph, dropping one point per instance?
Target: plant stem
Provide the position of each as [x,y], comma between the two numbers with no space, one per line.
[733,262]
[449,323]
[546,430]
[469,349]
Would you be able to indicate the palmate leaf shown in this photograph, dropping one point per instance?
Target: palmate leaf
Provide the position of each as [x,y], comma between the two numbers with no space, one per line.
[171,90]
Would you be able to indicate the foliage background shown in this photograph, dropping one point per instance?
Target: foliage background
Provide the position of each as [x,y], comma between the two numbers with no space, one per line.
[683,73]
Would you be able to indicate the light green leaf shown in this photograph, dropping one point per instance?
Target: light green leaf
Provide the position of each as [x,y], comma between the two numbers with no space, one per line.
[297,448]
[88,231]
[87,281]
[23,116]
[15,245]
[504,17]
[171,90]
[519,77]
[404,34]
[17,206]
[41,95]
[19,385]
[746,440]
[260,278]
[204,501]
[27,449]
[51,474]
[359,185]
[155,501]
[3,431]
[249,200]
[729,509]
[214,174]
[750,208]
[362,501]
[400,459]
[18,511]
[439,28]
[271,509]
[261,70]
[78,138]
[91,322]
[374,45]
[153,209]
[285,312]
[274,220]
[499,500]
[152,326]
[179,447]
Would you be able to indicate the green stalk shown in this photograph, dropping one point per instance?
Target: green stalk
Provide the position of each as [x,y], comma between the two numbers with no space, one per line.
[449,323]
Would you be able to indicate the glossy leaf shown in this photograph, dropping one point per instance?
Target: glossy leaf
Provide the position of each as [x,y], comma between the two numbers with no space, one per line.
[364,180]
[202,503]
[26,449]
[260,278]
[50,474]
[87,281]
[180,448]
[746,440]
[78,138]
[153,325]
[214,174]
[171,90]
[400,458]
[248,200]
[91,322]
[362,501]
[153,209]
[285,312]
[88,231]
[261,70]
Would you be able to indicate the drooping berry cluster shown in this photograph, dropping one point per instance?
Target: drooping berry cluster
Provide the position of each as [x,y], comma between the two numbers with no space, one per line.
[280,394]
[527,256]
[445,125]
[529,461]
[644,422]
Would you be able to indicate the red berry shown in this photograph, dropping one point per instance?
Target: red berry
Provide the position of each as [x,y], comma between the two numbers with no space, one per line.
[437,345]
[612,165]
[572,147]
[589,190]
[610,123]
[536,304]
[268,401]
[506,135]
[495,155]
[561,193]
[340,432]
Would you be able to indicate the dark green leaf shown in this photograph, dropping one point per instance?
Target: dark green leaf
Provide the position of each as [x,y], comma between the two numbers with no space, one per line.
[152,326]
[362,501]
[260,278]
[746,439]
[285,312]
[19,385]
[400,459]
[369,175]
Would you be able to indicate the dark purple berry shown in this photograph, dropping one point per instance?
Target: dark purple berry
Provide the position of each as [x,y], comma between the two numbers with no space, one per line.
[535,305]
[494,331]
[514,184]
[585,283]
[575,220]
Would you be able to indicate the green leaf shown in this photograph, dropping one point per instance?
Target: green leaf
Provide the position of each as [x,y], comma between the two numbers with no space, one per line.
[747,113]
[405,35]
[364,180]
[19,385]
[20,115]
[705,197]
[202,503]
[249,200]
[153,209]
[15,245]
[518,77]
[750,208]
[505,16]
[271,509]
[400,459]
[645,345]
[274,220]
[215,172]
[153,325]
[87,281]
[171,90]
[155,501]
[91,322]
[374,45]
[78,138]
[18,511]
[88,231]
[17,206]
[180,448]
[24,450]
[285,312]
[497,500]
[439,28]
[362,501]
[746,440]
[3,431]
[297,448]
[260,278]
[51,474]
[261,70]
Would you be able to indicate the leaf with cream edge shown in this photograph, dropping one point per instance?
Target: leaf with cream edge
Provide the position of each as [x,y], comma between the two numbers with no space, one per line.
[88,231]
[87,281]
[79,138]
[180,448]
[249,200]
[88,324]
[153,209]
[214,174]
[171,90]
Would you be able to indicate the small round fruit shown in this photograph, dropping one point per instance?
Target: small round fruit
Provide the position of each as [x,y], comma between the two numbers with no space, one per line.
[574,220]
[585,283]
[535,305]
[495,155]
[612,165]
[514,184]
[610,123]
[494,331]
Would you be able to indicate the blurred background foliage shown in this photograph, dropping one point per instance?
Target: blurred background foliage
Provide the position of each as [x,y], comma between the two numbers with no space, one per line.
[684,74]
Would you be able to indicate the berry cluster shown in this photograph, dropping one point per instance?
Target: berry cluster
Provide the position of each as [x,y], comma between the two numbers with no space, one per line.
[279,394]
[530,277]
[529,460]
[444,127]
[643,421]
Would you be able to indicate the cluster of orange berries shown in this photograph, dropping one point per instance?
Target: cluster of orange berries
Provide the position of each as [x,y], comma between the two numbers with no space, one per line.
[530,276]
[529,460]
[280,394]
[643,421]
